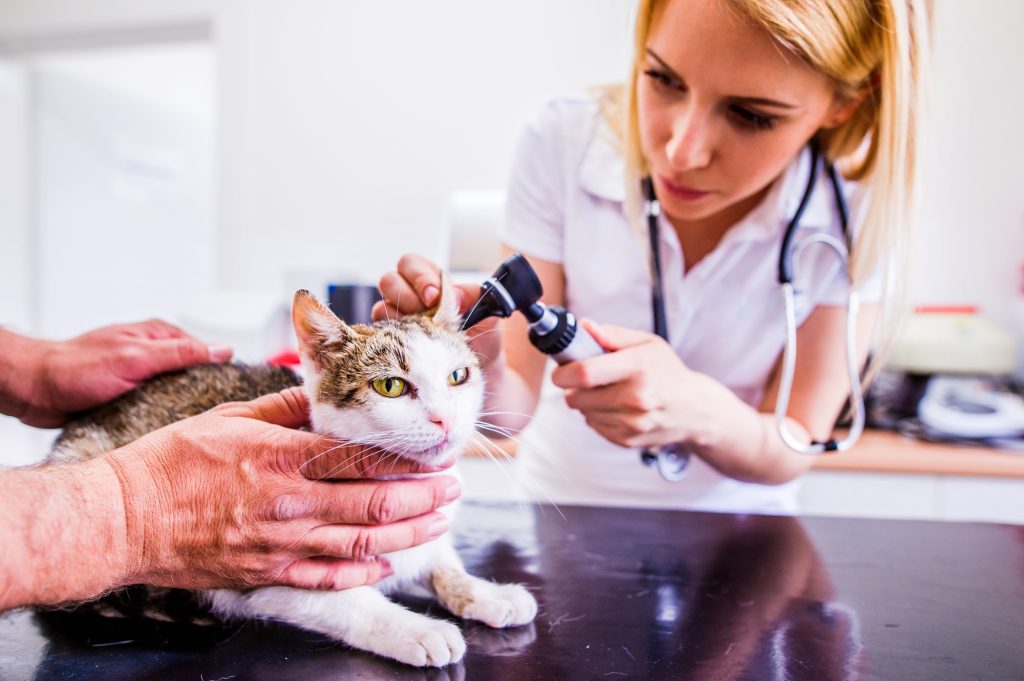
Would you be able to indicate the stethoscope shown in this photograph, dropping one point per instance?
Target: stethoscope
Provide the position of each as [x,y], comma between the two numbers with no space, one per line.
[672,460]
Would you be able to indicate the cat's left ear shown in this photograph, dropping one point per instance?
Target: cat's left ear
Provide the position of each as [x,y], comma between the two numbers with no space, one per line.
[446,311]
[316,327]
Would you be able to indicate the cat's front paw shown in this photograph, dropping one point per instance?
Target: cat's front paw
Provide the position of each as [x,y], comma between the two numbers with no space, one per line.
[502,605]
[427,643]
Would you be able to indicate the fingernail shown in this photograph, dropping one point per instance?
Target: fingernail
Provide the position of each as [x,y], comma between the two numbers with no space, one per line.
[385,568]
[220,353]
[452,491]
[437,528]
[429,294]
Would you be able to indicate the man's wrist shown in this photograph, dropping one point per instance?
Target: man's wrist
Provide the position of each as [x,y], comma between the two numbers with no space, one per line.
[22,372]
[58,516]
[134,481]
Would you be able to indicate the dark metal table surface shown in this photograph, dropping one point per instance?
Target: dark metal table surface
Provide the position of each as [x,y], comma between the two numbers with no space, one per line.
[634,594]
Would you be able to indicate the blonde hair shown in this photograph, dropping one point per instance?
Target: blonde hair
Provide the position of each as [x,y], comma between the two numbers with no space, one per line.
[875,50]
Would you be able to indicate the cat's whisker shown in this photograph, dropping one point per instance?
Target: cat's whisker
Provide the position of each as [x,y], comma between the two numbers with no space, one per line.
[487,432]
[486,446]
[540,448]
[497,412]
[358,457]
[387,315]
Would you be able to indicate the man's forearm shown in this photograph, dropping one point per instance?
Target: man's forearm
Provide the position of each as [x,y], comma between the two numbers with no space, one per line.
[63,532]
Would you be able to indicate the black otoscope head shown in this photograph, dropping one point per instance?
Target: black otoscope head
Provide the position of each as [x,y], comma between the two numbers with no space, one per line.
[513,286]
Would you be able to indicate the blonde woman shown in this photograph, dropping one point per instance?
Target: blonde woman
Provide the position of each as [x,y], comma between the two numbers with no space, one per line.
[726,99]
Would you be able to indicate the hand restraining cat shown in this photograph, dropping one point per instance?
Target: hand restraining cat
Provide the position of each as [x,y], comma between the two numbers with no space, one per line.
[411,387]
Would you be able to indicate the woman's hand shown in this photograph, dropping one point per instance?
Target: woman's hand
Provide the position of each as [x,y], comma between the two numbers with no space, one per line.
[639,394]
[237,497]
[64,377]
[416,285]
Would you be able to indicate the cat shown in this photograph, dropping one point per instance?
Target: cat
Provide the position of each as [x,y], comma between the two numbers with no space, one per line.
[410,386]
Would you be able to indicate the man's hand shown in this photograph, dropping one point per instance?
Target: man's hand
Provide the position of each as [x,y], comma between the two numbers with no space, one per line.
[64,377]
[237,497]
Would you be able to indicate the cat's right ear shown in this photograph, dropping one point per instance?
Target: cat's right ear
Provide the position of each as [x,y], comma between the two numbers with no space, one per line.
[316,327]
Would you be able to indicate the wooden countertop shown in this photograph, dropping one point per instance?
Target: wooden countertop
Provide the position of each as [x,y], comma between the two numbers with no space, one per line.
[886,452]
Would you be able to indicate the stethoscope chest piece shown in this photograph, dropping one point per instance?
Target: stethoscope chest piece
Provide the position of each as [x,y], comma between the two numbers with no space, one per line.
[671,460]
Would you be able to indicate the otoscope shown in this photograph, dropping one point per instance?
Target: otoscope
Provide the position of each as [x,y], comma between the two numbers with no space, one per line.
[555,332]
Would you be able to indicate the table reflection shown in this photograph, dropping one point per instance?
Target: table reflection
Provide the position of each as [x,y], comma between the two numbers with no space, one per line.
[702,596]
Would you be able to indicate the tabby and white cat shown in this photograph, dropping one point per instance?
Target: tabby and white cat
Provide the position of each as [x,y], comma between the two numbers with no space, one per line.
[411,387]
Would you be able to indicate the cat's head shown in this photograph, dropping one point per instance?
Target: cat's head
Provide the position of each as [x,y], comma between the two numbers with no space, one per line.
[411,386]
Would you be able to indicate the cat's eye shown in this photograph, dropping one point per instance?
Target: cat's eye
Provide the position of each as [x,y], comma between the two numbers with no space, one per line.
[390,387]
[458,376]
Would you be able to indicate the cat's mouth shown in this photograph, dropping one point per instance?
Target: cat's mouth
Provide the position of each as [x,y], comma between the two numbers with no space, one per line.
[434,454]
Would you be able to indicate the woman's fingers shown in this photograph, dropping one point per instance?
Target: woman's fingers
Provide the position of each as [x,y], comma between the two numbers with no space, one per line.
[414,287]
[382,311]
[399,294]
[422,275]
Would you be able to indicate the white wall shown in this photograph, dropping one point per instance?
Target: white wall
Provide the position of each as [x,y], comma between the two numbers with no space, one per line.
[30,20]
[15,251]
[346,125]
[972,227]
[123,184]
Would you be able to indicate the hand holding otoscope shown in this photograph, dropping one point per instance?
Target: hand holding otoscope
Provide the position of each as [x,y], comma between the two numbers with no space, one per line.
[553,330]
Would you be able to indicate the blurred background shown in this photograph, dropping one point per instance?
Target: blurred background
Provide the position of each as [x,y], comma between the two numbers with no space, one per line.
[199,160]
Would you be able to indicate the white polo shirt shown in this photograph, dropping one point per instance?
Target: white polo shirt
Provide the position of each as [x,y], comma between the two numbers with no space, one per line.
[725,317]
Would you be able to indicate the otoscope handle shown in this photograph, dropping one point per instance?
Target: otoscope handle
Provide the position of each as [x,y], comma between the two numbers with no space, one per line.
[556,332]
[583,347]
[560,335]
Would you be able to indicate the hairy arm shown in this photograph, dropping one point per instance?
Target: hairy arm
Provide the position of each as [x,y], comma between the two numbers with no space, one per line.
[63,533]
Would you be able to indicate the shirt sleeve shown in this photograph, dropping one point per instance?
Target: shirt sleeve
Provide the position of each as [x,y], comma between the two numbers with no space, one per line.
[535,201]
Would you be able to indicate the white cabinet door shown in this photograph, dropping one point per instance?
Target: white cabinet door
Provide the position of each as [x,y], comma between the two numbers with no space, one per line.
[870,495]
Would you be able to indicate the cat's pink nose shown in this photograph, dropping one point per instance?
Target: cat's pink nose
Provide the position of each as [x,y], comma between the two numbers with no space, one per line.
[444,421]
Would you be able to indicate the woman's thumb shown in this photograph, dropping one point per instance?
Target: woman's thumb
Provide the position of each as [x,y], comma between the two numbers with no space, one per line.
[612,337]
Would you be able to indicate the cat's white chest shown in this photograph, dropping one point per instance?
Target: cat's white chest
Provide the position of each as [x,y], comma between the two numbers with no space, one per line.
[412,566]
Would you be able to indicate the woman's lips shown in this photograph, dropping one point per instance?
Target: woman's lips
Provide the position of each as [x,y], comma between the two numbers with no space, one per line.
[680,191]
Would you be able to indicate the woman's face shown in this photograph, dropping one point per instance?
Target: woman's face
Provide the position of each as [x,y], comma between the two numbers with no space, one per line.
[723,108]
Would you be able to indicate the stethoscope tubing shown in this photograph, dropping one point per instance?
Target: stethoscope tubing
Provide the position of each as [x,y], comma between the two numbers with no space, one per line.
[672,459]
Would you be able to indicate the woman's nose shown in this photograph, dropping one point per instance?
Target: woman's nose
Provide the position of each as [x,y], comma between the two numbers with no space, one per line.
[691,145]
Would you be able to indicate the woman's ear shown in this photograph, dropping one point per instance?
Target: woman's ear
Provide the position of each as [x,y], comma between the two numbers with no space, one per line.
[316,328]
[842,109]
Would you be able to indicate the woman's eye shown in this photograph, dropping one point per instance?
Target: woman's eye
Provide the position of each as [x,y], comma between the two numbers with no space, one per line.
[662,79]
[458,376]
[390,387]
[753,120]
